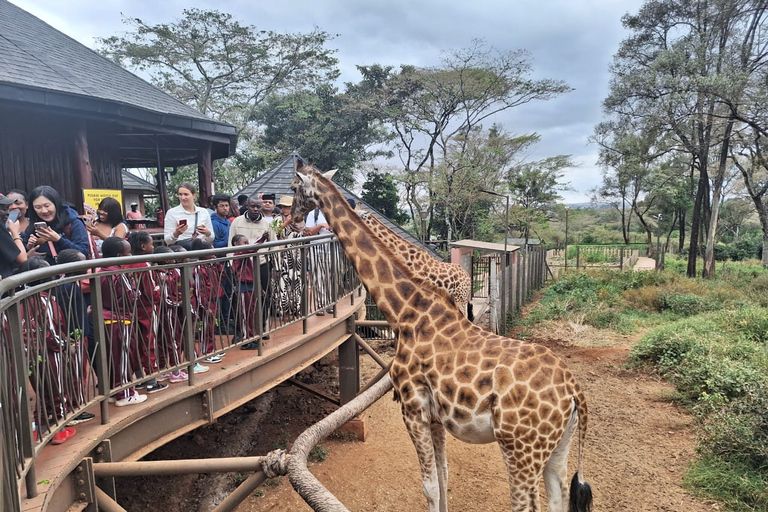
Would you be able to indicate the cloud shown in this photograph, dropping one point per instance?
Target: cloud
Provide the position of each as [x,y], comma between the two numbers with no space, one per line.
[568,40]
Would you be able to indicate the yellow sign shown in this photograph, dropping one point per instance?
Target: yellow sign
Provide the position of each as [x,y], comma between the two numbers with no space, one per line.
[93,196]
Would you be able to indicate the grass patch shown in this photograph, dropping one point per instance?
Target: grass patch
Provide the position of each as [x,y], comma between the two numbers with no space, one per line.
[708,337]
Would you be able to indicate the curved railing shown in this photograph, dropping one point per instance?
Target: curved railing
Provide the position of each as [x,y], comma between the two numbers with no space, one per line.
[75,336]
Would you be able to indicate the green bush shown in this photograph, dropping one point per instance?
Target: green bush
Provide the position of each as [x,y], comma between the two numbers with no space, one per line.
[685,304]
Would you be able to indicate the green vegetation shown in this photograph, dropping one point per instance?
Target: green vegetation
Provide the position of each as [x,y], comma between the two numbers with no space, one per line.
[707,337]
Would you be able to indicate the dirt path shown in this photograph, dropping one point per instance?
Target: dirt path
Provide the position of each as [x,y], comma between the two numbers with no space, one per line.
[638,449]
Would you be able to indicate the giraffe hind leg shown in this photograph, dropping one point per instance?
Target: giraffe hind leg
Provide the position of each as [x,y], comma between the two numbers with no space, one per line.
[556,469]
[524,476]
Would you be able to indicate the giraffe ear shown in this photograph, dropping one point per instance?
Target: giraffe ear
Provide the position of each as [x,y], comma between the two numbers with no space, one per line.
[330,173]
[303,177]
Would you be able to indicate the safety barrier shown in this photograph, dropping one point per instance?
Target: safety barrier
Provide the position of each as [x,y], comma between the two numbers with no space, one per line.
[75,336]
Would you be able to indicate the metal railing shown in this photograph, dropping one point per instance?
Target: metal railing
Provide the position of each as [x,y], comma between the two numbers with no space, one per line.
[78,335]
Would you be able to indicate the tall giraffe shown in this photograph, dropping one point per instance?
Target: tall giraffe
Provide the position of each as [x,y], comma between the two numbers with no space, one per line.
[450,374]
[449,276]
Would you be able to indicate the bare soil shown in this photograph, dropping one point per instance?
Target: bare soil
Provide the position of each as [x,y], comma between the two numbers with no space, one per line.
[639,446]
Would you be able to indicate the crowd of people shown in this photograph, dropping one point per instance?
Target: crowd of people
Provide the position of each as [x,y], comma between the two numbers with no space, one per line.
[143,309]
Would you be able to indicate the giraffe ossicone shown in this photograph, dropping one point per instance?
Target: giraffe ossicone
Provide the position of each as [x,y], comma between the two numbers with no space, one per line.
[450,374]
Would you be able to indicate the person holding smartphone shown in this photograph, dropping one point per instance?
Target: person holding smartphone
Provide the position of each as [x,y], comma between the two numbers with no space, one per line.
[54,226]
[12,251]
[187,221]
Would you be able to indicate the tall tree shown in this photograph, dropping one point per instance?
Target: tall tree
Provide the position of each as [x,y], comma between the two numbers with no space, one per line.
[335,130]
[432,110]
[534,188]
[682,61]
[225,70]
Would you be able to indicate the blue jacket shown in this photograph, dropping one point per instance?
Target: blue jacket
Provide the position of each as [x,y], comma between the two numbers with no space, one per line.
[220,231]
[73,237]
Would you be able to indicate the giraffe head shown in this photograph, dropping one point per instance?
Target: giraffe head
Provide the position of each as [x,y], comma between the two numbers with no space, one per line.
[304,186]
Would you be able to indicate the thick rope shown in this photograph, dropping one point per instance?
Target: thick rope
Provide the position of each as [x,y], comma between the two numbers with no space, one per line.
[275,464]
[308,487]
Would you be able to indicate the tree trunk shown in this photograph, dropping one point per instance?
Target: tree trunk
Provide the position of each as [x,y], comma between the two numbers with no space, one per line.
[709,253]
[693,250]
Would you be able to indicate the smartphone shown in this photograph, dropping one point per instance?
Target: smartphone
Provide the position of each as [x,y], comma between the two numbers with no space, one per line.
[40,225]
[13,216]
[183,222]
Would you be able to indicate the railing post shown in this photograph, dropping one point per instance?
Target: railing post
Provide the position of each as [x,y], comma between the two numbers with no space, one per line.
[21,367]
[260,298]
[304,290]
[100,349]
[333,247]
[189,332]
[349,366]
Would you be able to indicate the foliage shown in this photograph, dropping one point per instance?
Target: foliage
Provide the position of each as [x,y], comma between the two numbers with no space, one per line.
[432,111]
[739,486]
[318,453]
[380,191]
[225,70]
[707,336]
[334,130]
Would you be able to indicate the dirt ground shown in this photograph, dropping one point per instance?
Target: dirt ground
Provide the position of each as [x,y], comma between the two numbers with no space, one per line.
[639,445]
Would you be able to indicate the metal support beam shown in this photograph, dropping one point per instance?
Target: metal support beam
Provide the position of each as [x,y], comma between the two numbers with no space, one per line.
[244,490]
[107,504]
[368,350]
[311,389]
[85,483]
[349,369]
[178,467]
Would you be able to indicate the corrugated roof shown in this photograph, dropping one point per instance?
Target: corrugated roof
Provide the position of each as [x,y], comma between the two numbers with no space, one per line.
[484,246]
[34,55]
[277,180]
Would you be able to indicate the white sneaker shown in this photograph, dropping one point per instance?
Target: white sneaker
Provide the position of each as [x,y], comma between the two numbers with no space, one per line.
[133,399]
[199,368]
[215,359]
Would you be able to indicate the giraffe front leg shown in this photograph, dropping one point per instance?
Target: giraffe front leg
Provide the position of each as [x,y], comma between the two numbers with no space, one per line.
[419,429]
[441,463]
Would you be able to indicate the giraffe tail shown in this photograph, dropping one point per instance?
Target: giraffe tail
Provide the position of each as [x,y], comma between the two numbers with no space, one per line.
[470,312]
[581,493]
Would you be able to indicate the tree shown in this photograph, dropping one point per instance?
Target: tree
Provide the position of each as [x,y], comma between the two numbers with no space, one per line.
[472,163]
[684,63]
[332,129]
[432,111]
[380,191]
[225,70]
[534,188]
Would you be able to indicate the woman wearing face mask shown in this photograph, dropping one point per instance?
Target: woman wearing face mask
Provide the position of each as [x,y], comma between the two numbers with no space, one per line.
[54,226]
[12,251]
[187,221]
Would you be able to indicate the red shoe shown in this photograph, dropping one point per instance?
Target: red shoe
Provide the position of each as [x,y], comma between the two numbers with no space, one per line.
[63,435]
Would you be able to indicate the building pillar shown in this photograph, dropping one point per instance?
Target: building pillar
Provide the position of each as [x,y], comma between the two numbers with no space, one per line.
[204,174]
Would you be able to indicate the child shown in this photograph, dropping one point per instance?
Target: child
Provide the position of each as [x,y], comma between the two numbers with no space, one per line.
[144,320]
[207,291]
[118,302]
[247,303]
[170,332]
[43,328]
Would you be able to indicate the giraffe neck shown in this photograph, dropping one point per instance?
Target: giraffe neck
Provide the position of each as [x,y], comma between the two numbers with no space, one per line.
[389,281]
[395,241]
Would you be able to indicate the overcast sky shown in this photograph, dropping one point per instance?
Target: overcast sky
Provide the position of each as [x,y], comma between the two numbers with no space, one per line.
[570,40]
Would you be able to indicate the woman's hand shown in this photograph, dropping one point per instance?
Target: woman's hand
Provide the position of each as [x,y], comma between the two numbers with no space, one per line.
[32,242]
[180,228]
[203,230]
[47,234]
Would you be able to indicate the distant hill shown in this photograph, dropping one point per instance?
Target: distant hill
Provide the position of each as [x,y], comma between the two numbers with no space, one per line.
[582,206]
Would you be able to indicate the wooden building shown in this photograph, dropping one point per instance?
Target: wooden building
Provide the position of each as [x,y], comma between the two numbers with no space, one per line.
[72,119]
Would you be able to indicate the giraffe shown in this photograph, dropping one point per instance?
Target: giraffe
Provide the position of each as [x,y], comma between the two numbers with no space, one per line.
[449,276]
[450,374]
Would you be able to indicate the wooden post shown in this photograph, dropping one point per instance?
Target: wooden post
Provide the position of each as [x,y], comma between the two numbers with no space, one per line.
[204,174]
[81,162]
